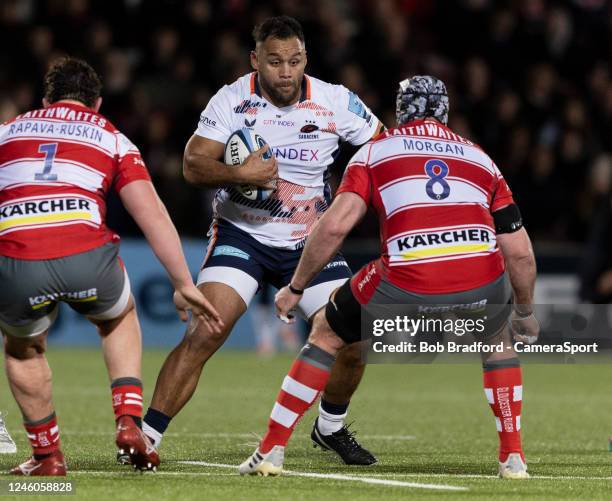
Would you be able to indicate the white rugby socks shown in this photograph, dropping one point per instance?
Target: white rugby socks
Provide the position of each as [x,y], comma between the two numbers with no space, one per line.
[152,433]
[330,422]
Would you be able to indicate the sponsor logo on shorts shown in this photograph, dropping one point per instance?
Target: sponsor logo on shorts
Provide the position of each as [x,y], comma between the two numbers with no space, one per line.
[336,264]
[368,276]
[82,296]
[228,250]
[476,306]
[441,243]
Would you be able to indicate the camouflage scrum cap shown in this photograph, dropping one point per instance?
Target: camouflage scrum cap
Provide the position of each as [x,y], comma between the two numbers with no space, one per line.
[420,97]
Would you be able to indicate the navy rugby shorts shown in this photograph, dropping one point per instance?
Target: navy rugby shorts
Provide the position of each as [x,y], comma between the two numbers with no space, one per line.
[236,259]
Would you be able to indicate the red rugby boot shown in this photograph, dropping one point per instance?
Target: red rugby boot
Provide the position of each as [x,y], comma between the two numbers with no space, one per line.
[132,441]
[52,465]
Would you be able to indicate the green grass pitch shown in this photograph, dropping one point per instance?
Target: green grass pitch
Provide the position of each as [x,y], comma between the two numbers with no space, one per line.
[430,427]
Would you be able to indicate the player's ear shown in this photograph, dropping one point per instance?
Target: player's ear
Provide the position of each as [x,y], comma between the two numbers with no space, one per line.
[97,104]
[254,63]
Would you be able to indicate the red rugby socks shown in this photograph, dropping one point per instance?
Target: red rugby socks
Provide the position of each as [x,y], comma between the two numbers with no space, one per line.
[301,387]
[503,388]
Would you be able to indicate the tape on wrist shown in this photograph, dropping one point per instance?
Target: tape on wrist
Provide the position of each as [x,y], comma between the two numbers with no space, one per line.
[298,292]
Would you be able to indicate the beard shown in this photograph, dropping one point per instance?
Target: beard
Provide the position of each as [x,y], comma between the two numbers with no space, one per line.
[281,97]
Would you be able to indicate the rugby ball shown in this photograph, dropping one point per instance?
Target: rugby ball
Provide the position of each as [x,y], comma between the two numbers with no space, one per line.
[239,146]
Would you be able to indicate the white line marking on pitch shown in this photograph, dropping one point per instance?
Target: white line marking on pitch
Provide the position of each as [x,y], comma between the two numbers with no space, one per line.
[129,472]
[478,475]
[230,435]
[338,476]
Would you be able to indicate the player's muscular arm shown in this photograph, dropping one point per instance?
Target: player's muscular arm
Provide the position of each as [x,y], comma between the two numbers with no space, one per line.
[202,166]
[141,201]
[520,263]
[327,237]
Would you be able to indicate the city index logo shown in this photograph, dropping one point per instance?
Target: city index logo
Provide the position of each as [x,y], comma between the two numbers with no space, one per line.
[302,154]
[279,123]
[248,106]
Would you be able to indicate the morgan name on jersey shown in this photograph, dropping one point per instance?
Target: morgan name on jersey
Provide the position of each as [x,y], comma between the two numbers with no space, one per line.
[304,138]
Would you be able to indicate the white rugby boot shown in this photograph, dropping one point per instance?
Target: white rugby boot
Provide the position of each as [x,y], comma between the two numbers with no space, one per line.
[269,464]
[513,467]
[7,446]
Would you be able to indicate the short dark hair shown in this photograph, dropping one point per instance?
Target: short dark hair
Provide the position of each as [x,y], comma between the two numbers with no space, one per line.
[282,27]
[72,78]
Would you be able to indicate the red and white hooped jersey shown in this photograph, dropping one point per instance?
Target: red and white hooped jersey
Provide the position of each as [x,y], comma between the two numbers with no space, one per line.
[434,193]
[56,167]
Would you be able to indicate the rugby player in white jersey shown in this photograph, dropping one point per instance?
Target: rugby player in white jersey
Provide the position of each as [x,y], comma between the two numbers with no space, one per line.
[57,166]
[303,119]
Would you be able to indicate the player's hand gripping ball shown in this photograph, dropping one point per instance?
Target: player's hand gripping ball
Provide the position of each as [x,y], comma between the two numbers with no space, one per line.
[239,146]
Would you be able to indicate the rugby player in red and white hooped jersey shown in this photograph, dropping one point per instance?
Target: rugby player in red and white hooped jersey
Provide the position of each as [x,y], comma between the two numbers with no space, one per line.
[303,119]
[57,165]
[451,236]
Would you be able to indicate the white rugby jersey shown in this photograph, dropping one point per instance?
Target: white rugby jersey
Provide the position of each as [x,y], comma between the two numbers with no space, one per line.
[304,137]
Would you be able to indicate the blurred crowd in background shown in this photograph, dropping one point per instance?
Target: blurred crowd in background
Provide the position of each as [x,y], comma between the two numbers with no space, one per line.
[529,80]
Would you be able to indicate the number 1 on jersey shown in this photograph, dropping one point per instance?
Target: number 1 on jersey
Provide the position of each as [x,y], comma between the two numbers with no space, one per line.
[49,149]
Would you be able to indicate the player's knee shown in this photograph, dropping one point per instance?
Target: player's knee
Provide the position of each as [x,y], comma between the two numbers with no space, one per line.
[24,348]
[200,340]
[107,325]
[323,336]
[351,355]
[501,338]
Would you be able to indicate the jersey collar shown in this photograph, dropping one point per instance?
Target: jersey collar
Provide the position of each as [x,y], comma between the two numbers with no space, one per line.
[73,105]
[304,94]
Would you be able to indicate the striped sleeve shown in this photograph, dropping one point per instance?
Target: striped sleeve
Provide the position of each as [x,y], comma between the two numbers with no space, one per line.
[130,165]
[502,196]
[356,177]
